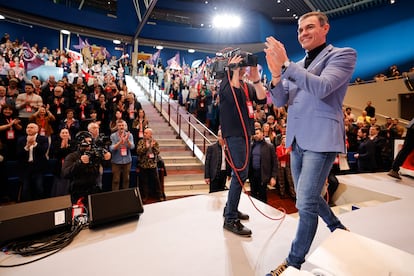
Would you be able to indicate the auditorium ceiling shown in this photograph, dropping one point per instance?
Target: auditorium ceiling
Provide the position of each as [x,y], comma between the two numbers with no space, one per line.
[134,15]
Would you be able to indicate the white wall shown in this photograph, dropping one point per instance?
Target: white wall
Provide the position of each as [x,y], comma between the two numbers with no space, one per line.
[384,97]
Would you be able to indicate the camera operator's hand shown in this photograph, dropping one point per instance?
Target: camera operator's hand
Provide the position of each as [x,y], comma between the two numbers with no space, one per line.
[234,66]
[234,63]
[85,159]
[107,155]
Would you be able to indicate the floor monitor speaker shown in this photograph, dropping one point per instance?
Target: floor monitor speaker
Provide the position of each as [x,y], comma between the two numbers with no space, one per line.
[112,206]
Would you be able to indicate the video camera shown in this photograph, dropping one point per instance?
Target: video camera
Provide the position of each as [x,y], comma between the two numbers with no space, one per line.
[95,149]
[220,64]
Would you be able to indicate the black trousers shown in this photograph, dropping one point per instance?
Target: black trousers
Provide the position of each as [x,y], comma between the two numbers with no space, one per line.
[258,189]
[218,183]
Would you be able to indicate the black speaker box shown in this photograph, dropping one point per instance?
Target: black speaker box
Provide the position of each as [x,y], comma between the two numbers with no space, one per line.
[109,207]
[34,217]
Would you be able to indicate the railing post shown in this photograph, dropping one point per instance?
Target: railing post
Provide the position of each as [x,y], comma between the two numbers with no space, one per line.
[161,103]
[179,127]
[194,142]
[169,112]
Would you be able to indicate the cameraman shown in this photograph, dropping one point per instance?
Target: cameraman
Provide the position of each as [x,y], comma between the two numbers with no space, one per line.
[82,168]
[236,119]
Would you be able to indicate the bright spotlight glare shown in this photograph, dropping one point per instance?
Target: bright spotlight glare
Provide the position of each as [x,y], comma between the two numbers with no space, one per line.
[226,21]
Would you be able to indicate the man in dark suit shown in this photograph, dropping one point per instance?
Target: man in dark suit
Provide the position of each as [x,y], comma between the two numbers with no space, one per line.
[263,166]
[31,154]
[216,168]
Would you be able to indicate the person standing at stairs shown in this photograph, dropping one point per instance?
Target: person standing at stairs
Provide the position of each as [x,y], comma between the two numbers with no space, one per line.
[237,129]
[216,168]
[148,150]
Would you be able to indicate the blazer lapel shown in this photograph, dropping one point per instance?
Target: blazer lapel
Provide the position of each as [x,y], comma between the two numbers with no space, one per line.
[319,57]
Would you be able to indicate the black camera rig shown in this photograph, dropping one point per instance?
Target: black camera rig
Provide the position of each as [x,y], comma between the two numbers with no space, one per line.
[94,148]
[220,64]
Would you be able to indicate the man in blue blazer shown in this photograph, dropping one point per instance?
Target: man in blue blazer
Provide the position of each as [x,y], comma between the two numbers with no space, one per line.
[313,90]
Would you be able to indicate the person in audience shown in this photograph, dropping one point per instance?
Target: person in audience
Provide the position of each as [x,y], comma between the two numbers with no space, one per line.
[57,104]
[147,150]
[284,175]
[32,162]
[132,106]
[364,117]
[406,150]
[4,99]
[28,103]
[216,168]
[103,114]
[113,125]
[399,130]
[366,152]
[122,143]
[70,122]
[263,166]
[380,147]
[44,119]
[139,125]
[62,146]
[349,115]
[370,109]
[10,131]
[314,135]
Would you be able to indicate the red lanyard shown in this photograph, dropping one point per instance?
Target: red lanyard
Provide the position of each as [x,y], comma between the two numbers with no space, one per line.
[246,91]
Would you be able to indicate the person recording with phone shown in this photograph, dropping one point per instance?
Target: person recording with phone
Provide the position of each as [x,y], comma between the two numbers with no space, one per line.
[314,89]
[236,120]
[122,143]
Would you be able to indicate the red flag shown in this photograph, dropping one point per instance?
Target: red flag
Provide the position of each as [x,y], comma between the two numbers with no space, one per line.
[75,56]
[31,61]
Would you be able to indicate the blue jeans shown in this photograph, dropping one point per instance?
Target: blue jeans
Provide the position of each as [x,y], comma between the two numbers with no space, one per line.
[237,149]
[309,171]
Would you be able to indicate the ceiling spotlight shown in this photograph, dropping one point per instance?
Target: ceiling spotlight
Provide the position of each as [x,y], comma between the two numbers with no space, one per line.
[65,32]
[191,51]
[159,47]
[2,17]
[226,21]
[116,41]
[288,10]
[392,1]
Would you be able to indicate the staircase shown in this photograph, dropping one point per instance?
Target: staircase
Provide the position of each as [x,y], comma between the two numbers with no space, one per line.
[185,172]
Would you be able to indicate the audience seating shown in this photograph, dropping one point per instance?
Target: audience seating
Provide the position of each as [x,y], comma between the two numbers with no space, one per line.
[14,183]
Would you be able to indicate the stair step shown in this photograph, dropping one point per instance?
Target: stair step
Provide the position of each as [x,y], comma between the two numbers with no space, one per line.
[180,159]
[172,152]
[184,166]
[171,177]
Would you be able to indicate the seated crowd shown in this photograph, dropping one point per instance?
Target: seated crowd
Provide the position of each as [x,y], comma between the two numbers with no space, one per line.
[42,123]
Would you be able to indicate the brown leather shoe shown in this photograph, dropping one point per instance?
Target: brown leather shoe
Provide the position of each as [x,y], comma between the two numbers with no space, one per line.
[394,174]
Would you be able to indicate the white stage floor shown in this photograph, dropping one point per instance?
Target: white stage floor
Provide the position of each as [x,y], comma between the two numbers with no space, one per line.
[186,237]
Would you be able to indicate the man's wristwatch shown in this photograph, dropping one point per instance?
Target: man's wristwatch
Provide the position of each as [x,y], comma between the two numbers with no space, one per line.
[285,66]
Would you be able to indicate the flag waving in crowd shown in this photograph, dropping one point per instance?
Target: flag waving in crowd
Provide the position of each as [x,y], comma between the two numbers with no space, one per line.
[174,62]
[31,61]
[154,58]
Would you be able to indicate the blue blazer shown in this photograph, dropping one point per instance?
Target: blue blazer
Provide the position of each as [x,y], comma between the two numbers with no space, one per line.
[314,98]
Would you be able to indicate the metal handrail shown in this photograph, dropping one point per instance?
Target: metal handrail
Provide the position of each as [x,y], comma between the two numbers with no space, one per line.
[177,117]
